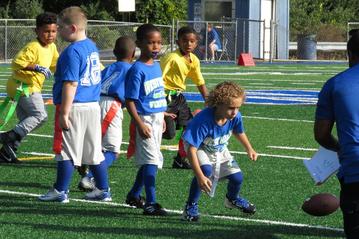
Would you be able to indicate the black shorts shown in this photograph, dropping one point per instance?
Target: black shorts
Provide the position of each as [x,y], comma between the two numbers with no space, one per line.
[177,105]
[349,204]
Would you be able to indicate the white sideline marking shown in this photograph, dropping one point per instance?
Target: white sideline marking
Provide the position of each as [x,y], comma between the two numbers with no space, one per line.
[292,148]
[273,155]
[279,119]
[268,73]
[231,218]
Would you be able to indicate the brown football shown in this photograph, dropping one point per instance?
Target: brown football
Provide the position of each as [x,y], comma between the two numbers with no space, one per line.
[321,204]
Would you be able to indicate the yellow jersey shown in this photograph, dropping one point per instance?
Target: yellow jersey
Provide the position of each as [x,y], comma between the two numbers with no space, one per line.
[176,69]
[32,53]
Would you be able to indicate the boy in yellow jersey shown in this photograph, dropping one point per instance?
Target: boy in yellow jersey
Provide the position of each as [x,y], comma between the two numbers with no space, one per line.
[176,67]
[31,66]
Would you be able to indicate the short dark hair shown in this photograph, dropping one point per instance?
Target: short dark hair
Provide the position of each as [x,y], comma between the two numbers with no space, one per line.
[144,30]
[124,46]
[353,44]
[45,19]
[185,30]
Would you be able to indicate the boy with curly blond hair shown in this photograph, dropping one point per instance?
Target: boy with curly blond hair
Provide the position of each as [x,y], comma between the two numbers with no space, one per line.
[206,138]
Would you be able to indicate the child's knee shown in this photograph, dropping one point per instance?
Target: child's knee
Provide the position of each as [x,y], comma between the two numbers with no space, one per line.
[236,178]
[206,170]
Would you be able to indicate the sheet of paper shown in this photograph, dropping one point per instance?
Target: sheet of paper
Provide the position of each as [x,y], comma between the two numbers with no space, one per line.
[323,164]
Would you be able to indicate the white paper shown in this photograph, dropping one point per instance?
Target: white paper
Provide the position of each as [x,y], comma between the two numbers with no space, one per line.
[323,164]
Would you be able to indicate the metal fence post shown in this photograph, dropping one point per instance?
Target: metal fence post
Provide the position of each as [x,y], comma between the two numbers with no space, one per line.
[5,41]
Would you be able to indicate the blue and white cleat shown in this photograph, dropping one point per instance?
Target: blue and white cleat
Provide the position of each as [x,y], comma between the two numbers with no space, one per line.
[55,196]
[190,212]
[241,204]
[99,195]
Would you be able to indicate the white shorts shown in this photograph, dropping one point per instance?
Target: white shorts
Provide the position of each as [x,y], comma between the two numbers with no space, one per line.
[148,150]
[82,142]
[227,164]
[112,139]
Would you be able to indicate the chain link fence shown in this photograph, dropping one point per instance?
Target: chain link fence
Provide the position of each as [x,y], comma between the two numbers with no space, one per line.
[236,36]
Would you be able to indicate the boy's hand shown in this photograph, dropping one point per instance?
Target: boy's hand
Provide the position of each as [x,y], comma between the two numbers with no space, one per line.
[252,155]
[205,184]
[64,122]
[173,116]
[43,70]
[145,131]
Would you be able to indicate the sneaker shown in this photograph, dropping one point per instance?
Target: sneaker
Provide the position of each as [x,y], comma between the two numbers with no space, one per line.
[154,209]
[135,202]
[99,195]
[241,204]
[9,136]
[8,154]
[190,212]
[87,184]
[55,196]
[181,163]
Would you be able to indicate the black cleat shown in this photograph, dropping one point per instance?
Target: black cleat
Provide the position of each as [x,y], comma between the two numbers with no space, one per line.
[135,202]
[181,163]
[154,210]
[8,154]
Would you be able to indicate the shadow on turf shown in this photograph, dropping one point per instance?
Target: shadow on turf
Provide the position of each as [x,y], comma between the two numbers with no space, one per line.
[170,226]
[24,185]
[228,232]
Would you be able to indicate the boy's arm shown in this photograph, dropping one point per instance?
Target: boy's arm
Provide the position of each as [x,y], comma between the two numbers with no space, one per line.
[203,90]
[68,95]
[204,183]
[242,137]
[143,129]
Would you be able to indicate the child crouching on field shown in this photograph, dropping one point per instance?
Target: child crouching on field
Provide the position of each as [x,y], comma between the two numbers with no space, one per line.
[207,136]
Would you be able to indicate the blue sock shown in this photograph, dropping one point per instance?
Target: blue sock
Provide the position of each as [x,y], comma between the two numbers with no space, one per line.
[65,170]
[109,158]
[149,176]
[100,175]
[195,190]
[234,185]
[138,185]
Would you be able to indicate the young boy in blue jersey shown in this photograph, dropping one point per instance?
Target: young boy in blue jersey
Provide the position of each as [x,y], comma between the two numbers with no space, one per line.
[31,66]
[111,102]
[146,103]
[76,92]
[206,137]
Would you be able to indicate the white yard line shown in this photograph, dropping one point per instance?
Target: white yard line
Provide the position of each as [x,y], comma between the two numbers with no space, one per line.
[291,148]
[230,218]
[279,119]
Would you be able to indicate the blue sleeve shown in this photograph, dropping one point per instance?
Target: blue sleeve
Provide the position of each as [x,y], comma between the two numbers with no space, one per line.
[71,66]
[195,133]
[238,124]
[325,108]
[133,84]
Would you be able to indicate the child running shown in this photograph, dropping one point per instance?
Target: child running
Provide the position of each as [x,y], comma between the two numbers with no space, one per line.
[76,92]
[206,137]
[31,67]
[111,102]
[177,66]
[146,103]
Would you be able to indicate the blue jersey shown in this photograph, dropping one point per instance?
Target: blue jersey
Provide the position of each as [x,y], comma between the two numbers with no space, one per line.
[338,101]
[79,62]
[213,35]
[144,85]
[203,132]
[113,80]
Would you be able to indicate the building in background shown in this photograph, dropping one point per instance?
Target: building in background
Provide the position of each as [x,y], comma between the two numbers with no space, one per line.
[262,25]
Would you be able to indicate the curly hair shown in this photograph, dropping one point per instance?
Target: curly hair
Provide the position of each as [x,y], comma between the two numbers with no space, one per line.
[224,92]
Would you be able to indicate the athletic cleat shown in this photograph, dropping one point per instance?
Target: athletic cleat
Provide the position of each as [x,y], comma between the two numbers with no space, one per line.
[99,195]
[87,184]
[55,196]
[9,137]
[8,154]
[154,209]
[135,202]
[190,212]
[241,204]
[181,163]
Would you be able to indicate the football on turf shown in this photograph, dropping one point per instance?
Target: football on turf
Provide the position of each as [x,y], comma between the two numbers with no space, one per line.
[321,204]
